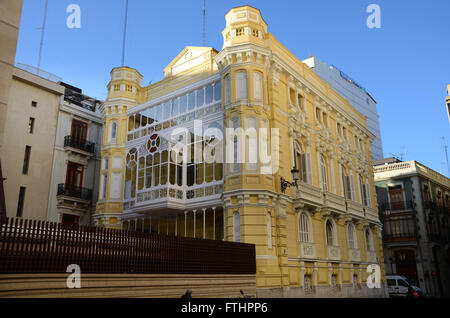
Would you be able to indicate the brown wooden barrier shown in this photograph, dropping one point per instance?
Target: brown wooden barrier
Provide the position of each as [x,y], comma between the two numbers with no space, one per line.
[30,246]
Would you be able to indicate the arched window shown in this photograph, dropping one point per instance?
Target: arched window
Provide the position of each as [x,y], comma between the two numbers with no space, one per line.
[113,132]
[251,143]
[330,233]
[323,169]
[237,227]
[304,231]
[269,230]
[300,101]
[348,185]
[258,86]
[303,163]
[369,242]
[241,85]
[351,232]
[227,90]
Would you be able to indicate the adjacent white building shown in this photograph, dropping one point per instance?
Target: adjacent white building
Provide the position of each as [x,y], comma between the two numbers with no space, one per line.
[355,94]
[76,159]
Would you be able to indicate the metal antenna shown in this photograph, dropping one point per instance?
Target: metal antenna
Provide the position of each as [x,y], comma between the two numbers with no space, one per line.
[124,32]
[42,38]
[204,23]
[446,156]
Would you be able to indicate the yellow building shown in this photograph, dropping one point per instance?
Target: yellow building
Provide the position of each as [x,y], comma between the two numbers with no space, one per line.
[314,240]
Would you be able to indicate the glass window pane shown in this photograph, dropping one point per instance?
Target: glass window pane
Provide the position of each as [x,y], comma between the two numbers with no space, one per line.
[199,174]
[164,156]
[167,110]
[200,97]
[158,113]
[151,115]
[137,121]
[191,101]
[175,104]
[133,182]
[218,172]
[209,170]
[183,104]
[218,91]
[155,175]
[131,123]
[172,173]
[179,175]
[144,121]
[209,94]
[190,175]
[164,172]
[156,159]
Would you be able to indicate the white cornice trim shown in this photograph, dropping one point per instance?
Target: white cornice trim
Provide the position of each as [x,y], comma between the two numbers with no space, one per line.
[175,93]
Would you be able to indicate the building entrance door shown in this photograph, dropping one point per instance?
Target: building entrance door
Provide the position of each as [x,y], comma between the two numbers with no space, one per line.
[405,262]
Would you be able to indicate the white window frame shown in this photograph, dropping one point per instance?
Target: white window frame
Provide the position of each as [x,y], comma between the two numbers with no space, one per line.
[236,227]
[352,238]
[241,85]
[304,228]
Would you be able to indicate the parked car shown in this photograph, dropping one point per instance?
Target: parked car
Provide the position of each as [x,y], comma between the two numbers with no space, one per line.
[398,286]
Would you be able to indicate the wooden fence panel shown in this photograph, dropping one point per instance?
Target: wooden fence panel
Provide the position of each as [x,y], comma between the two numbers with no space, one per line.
[28,246]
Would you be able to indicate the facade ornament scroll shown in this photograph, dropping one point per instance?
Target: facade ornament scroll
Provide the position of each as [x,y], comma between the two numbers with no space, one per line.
[275,72]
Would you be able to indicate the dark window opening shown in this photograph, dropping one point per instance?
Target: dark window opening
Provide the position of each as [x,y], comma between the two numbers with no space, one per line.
[26,160]
[31,125]
[21,202]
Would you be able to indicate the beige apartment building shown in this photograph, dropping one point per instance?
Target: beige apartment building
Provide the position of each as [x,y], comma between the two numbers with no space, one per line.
[28,143]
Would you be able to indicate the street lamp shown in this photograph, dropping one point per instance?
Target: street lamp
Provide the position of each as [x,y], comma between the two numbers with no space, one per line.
[295,176]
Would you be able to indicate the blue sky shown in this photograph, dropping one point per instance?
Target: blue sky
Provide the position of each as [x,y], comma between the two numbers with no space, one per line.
[405,65]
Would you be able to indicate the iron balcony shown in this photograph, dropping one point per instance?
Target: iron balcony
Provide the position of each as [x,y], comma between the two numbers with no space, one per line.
[74,192]
[397,206]
[80,144]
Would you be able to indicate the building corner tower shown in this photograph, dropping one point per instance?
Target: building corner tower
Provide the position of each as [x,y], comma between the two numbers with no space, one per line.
[252,200]
[124,92]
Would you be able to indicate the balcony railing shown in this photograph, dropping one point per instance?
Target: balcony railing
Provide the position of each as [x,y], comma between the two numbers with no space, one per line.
[77,143]
[399,237]
[307,250]
[74,192]
[334,252]
[372,256]
[397,206]
[354,254]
